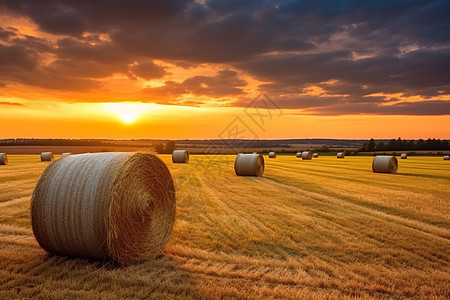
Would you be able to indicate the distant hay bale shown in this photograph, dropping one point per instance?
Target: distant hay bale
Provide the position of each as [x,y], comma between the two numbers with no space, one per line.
[3,159]
[118,206]
[66,153]
[272,154]
[315,155]
[249,165]
[446,157]
[385,164]
[180,156]
[404,156]
[46,156]
[299,155]
[307,155]
[341,155]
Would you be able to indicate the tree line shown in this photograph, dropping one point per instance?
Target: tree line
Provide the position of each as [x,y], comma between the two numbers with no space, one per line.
[399,144]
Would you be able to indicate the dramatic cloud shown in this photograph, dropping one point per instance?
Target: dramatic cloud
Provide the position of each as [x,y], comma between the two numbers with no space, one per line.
[345,50]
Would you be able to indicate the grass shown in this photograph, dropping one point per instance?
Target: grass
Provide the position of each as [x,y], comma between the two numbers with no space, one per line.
[322,229]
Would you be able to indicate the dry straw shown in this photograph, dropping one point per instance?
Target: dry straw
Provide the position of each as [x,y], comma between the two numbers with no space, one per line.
[46,156]
[180,156]
[3,159]
[341,155]
[299,155]
[249,165]
[272,154]
[446,157]
[315,155]
[385,164]
[105,206]
[307,155]
[404,156]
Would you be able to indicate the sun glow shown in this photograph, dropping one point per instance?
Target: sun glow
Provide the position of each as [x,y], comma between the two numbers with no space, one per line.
[128,112]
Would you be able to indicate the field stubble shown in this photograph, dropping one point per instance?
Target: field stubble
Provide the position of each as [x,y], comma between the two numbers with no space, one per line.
[324,228]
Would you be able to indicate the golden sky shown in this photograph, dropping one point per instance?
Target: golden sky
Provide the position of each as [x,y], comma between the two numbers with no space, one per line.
[187,69]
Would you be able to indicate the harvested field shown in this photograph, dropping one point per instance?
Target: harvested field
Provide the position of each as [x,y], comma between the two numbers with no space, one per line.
[323,229]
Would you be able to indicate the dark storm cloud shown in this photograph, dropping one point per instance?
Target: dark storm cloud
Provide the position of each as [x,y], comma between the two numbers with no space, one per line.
[225,83]
[362,47]
[148,70]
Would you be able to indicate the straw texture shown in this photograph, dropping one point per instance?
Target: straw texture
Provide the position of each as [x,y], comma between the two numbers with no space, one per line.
[3,159]
[180,156]
[272,155]
[341,155]
[105,206]
[307,155]
[46,156]
[404,156]
[249,165]
[315,155]
[446,157]
[299,155]
[385,164]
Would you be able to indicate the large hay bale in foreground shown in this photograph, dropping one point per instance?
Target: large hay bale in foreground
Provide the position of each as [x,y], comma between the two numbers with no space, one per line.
[105,206]
[3,159]
[446,157]
[404,156]
[66,153]
[307,155]
[340,155]
[180,156]
[272,154]
[299,155]
[249,165]
[46,156]
[385,164]
[315,155]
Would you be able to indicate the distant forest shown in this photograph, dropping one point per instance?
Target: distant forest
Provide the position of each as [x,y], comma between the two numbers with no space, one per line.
[399,144]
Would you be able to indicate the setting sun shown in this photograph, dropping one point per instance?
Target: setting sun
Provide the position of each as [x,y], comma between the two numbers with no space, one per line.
[128,112]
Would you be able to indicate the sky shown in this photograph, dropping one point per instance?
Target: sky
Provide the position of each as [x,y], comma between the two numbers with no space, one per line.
[224,69]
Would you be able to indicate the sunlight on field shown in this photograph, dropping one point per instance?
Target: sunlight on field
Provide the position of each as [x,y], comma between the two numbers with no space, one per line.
[325,228]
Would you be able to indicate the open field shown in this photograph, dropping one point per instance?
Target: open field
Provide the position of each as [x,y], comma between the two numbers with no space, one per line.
[322,229]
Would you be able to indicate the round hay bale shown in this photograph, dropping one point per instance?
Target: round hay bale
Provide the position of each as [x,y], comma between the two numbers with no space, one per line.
[446,157]
[272,154]
[180,156]
[341,155]
[46,156]
[404,156]
[307,155]
[105,206]
[3,159]
[315,155]
[66,153]
[299,155]
[249,165]
[385,164]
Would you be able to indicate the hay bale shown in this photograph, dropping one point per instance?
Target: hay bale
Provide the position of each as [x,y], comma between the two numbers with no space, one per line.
[446,157]
[118,206]
[66,153]
[272,154]
[46,156]
[385,164]
[180,156]
[341,155]
[307,155]
[299,155]
[249,165]
[404,156]
[315,155]
[3,159]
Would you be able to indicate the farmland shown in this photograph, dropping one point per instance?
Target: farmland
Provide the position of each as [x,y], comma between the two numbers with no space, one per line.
[325,228]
